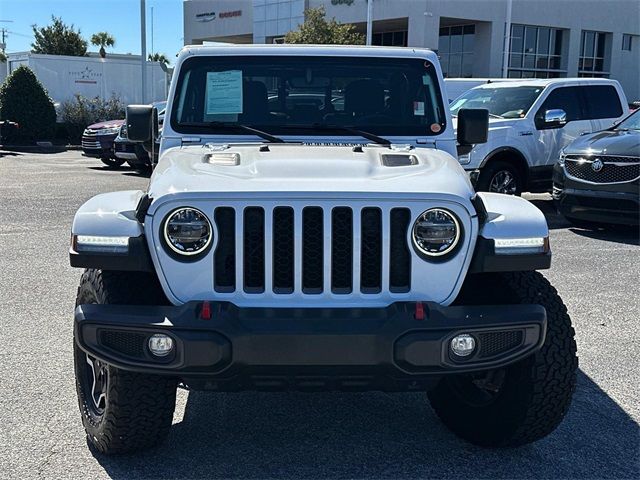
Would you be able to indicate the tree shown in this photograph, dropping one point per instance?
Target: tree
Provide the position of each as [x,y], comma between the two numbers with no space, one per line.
[103,39]
[58,39]
[3,57]
[159,57]
[317,30]
[24,100]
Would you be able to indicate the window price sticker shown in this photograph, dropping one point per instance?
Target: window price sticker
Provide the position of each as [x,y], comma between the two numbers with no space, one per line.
[224,92]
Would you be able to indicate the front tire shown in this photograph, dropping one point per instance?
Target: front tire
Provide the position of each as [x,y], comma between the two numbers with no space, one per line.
[501,177]
[525,401]
[122,411]
[112,162]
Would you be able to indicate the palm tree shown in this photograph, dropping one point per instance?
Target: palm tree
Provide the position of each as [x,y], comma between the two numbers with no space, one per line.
[158,57]
[103,39]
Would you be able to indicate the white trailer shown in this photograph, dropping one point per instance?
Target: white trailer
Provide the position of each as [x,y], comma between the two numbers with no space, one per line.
[92,76]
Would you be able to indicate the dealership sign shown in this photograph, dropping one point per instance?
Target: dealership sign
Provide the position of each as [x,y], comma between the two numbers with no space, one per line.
[209,16]
[86,76]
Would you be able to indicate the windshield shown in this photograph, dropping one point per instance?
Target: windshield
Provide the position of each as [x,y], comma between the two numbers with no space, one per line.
[632,122]
[506,102]
[308,95]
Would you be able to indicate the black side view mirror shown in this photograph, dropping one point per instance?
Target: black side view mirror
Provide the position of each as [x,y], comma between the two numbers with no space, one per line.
[473,127]
[142,123]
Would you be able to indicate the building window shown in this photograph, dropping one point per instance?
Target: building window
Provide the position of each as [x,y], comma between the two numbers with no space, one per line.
[627,41]
[390,39]
[536,52]
[455,47]
[593,61]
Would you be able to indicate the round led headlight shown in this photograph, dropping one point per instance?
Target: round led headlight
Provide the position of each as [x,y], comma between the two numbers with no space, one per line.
[436,232]
[187,231]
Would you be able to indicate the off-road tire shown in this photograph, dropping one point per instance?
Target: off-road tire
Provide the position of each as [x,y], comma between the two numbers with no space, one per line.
[536,392]
[139,408]
[112,162]
[488,172]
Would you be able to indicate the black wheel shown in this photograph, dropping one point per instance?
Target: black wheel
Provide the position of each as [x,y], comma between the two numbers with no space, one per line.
[501,177]
[112,162]
[121,411]
[525,401]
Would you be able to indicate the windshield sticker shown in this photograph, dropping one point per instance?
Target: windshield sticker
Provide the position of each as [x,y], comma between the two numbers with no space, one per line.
[224,92]
[435,128]
[418,109]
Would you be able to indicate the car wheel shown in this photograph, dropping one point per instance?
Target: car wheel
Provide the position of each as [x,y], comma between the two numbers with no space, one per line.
[501,177]
[112,162]
[121,411]
[522,402]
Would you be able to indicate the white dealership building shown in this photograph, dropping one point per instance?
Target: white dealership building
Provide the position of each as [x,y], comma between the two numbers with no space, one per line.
[547,38]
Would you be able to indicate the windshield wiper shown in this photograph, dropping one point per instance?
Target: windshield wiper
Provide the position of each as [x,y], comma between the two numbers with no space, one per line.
[356,131]
[235,126]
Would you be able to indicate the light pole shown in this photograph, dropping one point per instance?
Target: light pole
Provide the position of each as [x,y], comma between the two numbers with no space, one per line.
[369,21]
[507,41]
[143,48]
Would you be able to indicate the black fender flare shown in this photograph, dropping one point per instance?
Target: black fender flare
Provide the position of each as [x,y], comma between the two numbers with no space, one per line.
[502,150]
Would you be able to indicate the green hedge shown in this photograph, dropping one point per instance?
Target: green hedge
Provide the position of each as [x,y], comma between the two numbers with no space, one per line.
[24,100]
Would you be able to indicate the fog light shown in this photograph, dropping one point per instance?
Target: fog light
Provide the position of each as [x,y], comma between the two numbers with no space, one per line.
[160,344]
[463,345]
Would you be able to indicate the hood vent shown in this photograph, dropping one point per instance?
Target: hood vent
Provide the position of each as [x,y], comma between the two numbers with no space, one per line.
[399,160]
[222,159]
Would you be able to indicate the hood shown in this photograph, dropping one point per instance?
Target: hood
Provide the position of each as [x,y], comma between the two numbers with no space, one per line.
[609,142]
[107,124]
[248,168]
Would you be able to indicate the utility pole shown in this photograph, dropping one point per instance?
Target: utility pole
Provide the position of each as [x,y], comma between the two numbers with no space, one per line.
[3,45]
[152,49]
[143,48]
[507,41]
[369,21]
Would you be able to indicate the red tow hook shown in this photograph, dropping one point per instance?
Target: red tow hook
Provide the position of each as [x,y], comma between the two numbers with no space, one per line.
[419,311]
[205,311]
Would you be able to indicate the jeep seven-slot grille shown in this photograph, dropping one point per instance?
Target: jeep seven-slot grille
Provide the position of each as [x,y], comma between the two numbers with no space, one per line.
[330,242]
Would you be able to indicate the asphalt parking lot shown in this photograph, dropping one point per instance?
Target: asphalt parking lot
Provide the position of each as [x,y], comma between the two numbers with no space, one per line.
[255,435]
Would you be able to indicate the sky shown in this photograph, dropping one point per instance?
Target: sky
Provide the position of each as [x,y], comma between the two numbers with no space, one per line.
[121,18]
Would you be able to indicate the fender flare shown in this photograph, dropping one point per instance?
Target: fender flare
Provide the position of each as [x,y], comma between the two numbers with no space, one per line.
[111,215]
[504,149]
[507,217]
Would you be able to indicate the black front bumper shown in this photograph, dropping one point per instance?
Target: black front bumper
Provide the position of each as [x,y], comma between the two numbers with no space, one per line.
[320,348]
[606,203]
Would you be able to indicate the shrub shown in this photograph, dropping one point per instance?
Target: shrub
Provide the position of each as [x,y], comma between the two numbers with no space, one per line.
[23,99]
[80,112]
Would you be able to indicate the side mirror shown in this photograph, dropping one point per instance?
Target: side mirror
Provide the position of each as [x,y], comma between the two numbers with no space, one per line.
[555,118]
[142,123]
[473,126]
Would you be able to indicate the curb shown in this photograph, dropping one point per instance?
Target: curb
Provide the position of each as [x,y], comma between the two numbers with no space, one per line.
[39,149]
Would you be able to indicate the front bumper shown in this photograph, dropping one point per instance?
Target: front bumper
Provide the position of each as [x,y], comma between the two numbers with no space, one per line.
[601,203]
[316,348]
[98,146]
[132,152]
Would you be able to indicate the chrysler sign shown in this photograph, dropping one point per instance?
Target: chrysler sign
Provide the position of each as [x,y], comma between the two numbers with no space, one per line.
[209,16]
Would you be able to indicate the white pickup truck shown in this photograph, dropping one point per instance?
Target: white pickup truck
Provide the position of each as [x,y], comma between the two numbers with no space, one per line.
[530,122]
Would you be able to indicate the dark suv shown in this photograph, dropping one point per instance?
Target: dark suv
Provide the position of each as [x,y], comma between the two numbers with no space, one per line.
[597,179]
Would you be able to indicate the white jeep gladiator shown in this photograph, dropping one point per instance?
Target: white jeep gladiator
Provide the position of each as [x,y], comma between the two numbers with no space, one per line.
[308,227]
[530,121]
